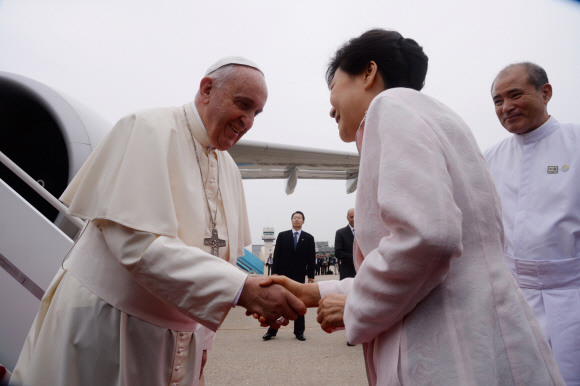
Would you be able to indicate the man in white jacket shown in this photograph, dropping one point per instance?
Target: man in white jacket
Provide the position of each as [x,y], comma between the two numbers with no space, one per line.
[537,174]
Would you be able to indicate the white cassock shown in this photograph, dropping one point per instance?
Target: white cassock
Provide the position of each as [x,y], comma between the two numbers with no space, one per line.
[141,296]
[433,301]
[538,179]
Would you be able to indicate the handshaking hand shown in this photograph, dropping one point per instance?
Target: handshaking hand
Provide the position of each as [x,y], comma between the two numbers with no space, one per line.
[308,293]
[331,312]
[330,309]
[270,302]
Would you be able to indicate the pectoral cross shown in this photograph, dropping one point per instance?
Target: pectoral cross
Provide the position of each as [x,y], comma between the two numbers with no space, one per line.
[215,242]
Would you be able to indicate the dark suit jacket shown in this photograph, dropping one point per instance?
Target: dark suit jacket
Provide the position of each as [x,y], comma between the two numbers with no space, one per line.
[292,263]
[343,248]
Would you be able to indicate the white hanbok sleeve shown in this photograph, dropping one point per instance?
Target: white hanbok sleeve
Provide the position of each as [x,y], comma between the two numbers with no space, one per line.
[335,287]
[197,283]
[404,166]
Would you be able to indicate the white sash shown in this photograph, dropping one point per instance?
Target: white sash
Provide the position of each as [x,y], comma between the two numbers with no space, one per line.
[545,274]
[552,289]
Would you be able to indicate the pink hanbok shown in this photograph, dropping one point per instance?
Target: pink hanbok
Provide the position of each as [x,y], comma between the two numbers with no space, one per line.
[433,301]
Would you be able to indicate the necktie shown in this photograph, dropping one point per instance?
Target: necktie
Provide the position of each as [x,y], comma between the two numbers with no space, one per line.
[295,239]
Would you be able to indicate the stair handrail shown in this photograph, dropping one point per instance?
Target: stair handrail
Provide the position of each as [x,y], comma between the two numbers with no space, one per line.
[40,190]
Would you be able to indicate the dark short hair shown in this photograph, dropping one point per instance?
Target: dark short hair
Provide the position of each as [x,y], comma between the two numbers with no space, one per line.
[537,76]
[303,218]
[400,61]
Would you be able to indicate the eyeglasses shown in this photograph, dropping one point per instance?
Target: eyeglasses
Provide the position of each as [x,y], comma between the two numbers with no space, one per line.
[359,134]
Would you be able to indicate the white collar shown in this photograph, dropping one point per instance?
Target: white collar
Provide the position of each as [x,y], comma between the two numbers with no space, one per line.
[198,117]
[351,228]
[294,231]
[547,128]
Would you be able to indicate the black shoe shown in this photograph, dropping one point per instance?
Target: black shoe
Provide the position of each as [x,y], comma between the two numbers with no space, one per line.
[348,344]
[268,336]
[301,337]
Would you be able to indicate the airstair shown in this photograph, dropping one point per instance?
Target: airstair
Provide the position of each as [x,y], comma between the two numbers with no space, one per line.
[30,248]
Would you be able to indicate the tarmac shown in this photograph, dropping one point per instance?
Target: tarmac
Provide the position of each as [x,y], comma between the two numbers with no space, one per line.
[241,357]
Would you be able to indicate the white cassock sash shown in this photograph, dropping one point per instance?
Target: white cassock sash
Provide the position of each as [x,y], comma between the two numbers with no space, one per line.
[552,288]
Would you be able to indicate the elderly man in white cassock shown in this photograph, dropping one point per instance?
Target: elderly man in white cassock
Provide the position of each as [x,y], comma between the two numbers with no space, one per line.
[152,276]
[537,174]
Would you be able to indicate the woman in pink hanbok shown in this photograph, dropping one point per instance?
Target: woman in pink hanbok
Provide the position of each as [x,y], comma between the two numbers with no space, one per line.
[432,302]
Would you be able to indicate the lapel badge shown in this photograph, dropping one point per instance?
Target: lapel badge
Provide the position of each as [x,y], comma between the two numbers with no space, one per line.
[565,168]
[552,170]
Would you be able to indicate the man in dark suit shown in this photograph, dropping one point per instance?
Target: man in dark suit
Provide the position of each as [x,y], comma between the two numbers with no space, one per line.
[294,252]
[343,247]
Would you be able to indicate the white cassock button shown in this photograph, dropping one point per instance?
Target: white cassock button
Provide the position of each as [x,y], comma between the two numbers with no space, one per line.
[180,351]
[214,210]
[213,164]
[212,181]
[210,196]
[177,368]
[182,334]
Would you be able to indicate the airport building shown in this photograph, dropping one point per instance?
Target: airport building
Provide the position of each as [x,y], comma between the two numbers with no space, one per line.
[268,237]
[263,251]
[257,250]
[322,247]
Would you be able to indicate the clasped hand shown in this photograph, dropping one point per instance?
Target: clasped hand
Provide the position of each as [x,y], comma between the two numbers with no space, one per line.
[270,302]
[331,312]
[330,308]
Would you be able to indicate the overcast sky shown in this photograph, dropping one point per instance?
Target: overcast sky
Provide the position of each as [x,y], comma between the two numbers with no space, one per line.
[120,56]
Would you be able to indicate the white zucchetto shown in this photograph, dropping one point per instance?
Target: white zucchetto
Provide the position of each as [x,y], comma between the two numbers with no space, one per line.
[232,60]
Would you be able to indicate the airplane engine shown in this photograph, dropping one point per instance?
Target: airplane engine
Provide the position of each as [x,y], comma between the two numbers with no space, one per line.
[49,135]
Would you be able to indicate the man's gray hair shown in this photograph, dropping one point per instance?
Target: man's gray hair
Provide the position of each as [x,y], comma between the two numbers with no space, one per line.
[222,74]
[537,75]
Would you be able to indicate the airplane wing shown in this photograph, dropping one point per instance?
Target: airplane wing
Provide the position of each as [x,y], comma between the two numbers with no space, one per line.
[263,160]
